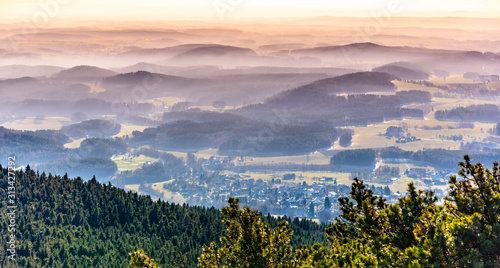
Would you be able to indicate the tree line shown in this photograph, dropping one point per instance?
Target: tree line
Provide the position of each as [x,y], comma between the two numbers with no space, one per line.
[67,222]
[414,232]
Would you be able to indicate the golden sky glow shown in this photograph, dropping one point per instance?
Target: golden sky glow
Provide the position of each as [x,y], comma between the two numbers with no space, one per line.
[19,10]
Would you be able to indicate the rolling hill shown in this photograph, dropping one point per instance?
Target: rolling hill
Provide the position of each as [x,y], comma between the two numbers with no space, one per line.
[215,51]
[217,55]
[319,102]
[15,71]
[361,82]
[88,224]
[369,52]
[83,73]
[165,52]
[468,61]
[403,70]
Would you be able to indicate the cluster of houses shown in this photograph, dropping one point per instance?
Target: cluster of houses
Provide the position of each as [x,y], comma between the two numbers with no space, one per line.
[400,135]
[428,176]
[407,139]
[275,196]
[284,195]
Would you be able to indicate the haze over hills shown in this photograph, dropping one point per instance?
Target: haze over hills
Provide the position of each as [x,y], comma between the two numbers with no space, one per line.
[27,87]
[48,36]
[464,62]
[214,51]
[14,71]
[361,82]
[236,89]
[211,71]
[83,74]
[404,70]
[122,44]
[243,85]
[216,70]
[371,50]
[155,53]
[282,114]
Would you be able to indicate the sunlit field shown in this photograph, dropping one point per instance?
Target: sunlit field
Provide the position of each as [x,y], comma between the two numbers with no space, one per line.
[37,123]
[131,162]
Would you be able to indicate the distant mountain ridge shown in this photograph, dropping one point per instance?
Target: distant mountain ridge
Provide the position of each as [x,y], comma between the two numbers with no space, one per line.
[166,51]
[15,71]
[216,51]
[317,92]
[360,82]
[83,73]
[368,47]
[136,77]
[324,101]
[404,70]
[453,61]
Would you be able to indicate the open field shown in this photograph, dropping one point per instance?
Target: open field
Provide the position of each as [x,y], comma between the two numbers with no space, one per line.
[166,194]
[206,153]
[400,185]
[127,129]
[132,187]
[369,137]
[213,109]
[401,85]
[494,85]
[459,79]
[74,144]
[316,158]
[168,101]
[437,80]
[38,123]
[131,162]
[159,192]
[450,103]
[95,87]
[177,154]
[372,136]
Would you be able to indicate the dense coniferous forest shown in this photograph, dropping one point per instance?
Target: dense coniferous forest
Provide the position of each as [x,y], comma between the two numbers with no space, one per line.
[439,158]
[30,145]
[403,70]
[66,222]
[95,147]
[359,157]
[86,167]
[488,113]
[95,128]
[45,148]
[239,137]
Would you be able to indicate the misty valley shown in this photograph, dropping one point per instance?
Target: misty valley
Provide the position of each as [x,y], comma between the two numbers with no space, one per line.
[288,121]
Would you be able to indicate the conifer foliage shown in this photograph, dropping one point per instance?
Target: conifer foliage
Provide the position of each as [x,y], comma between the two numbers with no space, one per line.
[63,222]
[414,232]
[249,242]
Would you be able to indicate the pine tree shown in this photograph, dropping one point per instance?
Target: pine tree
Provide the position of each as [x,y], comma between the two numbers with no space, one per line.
[250,242]
[139,259]
[328,205]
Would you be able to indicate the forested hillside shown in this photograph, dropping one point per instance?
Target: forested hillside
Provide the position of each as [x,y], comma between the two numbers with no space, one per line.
[66,222]
[238,137]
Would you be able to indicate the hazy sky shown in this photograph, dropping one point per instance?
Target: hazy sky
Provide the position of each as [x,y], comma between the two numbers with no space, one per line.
[42,10]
